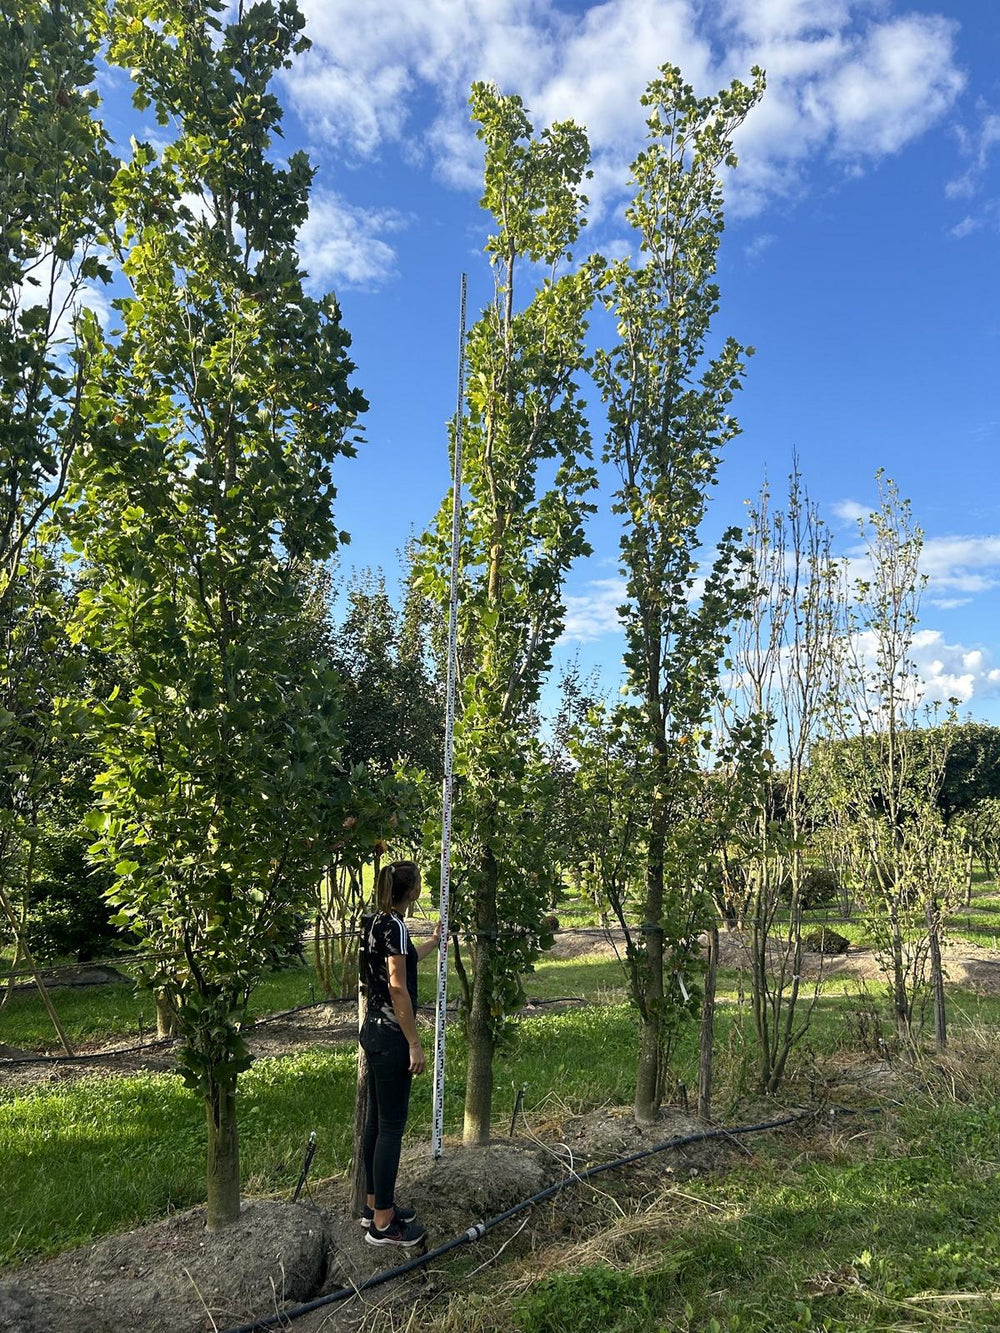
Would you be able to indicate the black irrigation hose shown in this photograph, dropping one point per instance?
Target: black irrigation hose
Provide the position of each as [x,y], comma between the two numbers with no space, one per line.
[479,1229]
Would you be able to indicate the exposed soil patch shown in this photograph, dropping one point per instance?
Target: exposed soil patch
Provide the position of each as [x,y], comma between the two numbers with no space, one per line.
[967,965]
[474,1184]
[84,974]
[173,1275]
[590,941]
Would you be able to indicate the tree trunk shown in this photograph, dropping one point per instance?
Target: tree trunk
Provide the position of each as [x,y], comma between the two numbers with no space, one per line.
[899,1002]
[166,1015]
[223,1159]
[647,1075]
[359,1186]
[479,1025]
[706,1039]
[937,977]
[968,878]
[12,977]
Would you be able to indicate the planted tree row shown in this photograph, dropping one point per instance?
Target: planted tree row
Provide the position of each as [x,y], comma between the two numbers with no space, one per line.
[171,674]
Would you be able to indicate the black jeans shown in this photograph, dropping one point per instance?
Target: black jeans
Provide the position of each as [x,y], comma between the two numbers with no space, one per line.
[389,1081]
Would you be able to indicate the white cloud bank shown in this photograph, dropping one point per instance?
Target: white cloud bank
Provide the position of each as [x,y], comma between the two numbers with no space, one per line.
[344,244]
[944,670]
[846,81]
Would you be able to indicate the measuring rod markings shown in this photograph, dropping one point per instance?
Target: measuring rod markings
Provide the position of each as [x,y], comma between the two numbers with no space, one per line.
[437,1131]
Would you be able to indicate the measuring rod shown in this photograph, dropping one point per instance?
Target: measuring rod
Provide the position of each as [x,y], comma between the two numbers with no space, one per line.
[437,1132]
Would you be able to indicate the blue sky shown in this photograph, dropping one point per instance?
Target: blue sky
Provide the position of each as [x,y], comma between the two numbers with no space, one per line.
[860,257]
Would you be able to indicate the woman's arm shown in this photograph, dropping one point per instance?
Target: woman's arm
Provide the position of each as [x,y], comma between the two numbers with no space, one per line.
[424,949]
[403,1009]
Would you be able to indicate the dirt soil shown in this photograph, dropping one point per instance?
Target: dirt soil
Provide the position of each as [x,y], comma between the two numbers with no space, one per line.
[173,1277]
[971,966]
[967,965]
[331,1021]
[84,974]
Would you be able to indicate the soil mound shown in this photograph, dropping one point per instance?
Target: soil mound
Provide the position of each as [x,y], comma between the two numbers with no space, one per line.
[466,1185]
[173,1271]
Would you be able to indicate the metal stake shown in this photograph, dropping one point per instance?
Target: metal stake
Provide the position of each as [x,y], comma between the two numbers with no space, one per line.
[437,1133]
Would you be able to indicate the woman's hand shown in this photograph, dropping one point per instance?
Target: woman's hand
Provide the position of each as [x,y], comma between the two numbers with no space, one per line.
[417,1062]
[436,932]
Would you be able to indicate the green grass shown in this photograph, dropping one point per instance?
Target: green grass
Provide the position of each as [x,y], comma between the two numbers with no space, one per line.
[102,1155]
[874,1229]
[844,1231]
[98,1014]
[107,1013]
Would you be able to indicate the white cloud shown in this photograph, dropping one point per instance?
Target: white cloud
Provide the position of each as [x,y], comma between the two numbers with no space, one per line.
[952,671]
[977,147]
[756,248]
[899,81]
[961,564]
[844,80]
[849,511]
[966,227]
[594,613]
[942,670]
[342,243]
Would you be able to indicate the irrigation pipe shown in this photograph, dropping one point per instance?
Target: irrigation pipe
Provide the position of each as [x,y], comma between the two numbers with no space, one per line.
[479,1229]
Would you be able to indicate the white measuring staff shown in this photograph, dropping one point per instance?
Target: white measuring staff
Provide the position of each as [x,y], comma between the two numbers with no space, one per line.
[437,1132]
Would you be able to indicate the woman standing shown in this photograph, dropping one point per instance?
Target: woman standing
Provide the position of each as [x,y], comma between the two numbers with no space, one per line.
[389,1037]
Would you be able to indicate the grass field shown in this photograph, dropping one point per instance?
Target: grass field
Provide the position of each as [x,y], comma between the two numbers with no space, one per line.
[890,1223]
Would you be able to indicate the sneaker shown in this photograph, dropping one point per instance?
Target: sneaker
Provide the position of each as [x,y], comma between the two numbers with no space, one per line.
[396,1233]
[403,1211]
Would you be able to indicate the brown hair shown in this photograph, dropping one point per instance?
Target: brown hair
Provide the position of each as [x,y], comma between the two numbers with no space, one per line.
[395,882]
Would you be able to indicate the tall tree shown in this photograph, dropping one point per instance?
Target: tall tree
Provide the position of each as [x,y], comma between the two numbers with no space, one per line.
[55,171]
[525,425]
[668,421]
[392,708]
[205,498]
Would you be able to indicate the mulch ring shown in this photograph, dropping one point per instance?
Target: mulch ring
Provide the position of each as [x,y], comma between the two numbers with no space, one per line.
[173,1275]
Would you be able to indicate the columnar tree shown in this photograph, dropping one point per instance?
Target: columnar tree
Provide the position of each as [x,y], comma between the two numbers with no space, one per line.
[668,421]
[55,170]
[526,447]
[205,496]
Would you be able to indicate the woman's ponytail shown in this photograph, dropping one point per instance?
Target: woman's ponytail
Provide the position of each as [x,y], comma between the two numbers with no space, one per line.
[395,882]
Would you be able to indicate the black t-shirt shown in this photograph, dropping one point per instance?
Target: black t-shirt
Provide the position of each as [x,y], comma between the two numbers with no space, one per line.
[385,936]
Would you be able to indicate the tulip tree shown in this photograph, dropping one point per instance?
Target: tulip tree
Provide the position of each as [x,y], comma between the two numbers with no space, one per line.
[668,422]
[205,494]
[525,463]
[55,171]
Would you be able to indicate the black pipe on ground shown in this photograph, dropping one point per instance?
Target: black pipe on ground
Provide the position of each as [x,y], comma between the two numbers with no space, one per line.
[479,1229]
